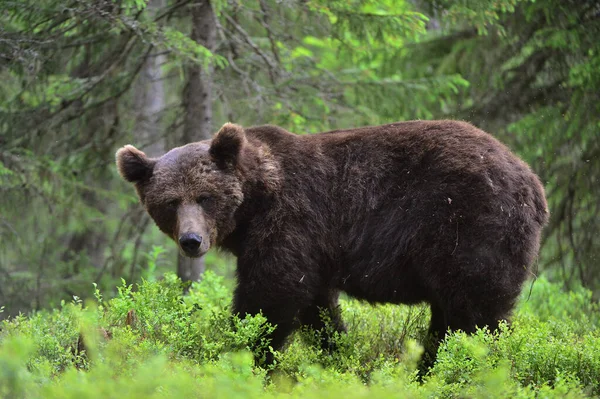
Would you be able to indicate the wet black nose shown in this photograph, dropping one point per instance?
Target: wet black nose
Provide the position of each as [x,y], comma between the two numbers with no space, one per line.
[190,242]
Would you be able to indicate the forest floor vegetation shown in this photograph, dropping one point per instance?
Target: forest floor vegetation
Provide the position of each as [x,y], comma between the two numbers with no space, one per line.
[151,341]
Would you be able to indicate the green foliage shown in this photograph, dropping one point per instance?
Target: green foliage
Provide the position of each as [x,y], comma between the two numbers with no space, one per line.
[197,326]
[377,338]
[365,22]
[477,13]
[150,341]
[67,73]
[575,307]
[182,45]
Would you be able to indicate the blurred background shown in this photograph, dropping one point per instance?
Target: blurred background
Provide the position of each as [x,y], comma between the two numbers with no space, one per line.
[80,78]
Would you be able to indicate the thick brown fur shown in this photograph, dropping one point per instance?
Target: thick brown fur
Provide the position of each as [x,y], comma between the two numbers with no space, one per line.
[437,212]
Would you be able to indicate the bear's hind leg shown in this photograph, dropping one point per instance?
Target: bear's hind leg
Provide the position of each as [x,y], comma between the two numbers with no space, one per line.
[437,330]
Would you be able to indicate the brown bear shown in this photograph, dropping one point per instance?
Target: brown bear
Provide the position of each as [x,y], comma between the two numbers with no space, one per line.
[424,211]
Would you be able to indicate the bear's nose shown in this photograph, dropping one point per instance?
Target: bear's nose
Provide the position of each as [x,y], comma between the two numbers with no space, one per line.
[190,243]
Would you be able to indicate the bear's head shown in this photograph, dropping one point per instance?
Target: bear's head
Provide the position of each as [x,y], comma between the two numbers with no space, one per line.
[192,192]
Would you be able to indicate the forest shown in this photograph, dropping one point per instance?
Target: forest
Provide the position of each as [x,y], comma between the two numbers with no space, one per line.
[96,302]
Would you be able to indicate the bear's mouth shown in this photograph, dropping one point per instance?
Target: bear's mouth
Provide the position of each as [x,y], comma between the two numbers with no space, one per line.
[196,254]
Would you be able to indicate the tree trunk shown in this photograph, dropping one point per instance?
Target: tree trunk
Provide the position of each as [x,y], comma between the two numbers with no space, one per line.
[197,100]
[149,99]
[148,102]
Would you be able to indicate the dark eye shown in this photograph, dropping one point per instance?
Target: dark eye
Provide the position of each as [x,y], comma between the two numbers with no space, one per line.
[172,204]
[203,200]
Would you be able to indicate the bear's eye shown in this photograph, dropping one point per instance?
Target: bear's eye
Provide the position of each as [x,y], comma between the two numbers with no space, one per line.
[172,204]
[203,199]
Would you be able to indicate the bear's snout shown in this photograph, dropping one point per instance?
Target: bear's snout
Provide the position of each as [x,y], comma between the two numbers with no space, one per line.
[190,244]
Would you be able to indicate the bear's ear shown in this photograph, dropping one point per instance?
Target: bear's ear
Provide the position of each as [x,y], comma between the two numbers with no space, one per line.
[227,144]
[134,166]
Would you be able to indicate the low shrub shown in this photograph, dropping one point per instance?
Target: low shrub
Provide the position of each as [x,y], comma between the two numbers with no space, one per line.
[151,341]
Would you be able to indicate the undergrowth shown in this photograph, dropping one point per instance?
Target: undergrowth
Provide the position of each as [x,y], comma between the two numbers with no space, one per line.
[150,341]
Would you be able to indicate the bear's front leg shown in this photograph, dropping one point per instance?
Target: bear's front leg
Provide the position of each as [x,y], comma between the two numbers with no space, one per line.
[280,309]
[325,305]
